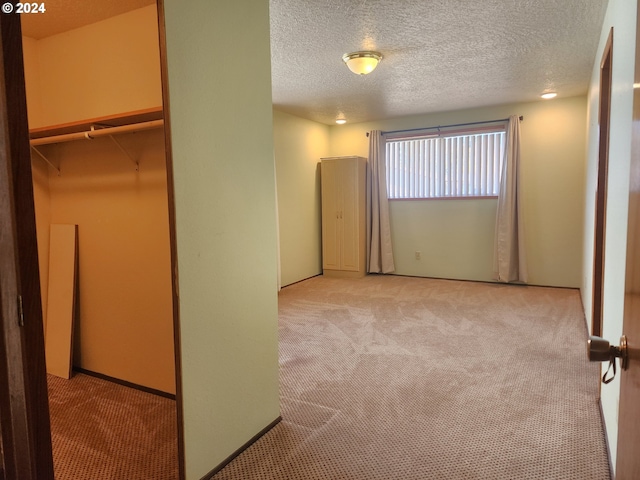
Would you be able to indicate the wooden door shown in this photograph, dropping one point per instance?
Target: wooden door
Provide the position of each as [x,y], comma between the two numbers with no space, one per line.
[628,460]
[24,408]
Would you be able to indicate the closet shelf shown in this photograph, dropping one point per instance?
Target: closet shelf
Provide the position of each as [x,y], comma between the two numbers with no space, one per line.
[93,132]
[97,127]
[129,118]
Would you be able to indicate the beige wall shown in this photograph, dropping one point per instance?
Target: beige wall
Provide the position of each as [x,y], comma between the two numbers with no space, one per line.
[32,81]
[106,68]
[621,15]
[40,169]
[455,238]
[299,145]
[223,166]
[125,327]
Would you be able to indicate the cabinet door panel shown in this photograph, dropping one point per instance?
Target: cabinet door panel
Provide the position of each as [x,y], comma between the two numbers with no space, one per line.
[330,179]
[349,216]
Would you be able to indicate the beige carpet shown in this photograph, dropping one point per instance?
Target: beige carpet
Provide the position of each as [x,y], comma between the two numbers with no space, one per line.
[104,431]
[390,377]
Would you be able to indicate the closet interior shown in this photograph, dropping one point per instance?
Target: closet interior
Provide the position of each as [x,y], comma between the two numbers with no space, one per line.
[94,101]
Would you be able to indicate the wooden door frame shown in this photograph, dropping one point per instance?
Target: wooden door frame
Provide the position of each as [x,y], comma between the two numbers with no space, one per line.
[600,227]
[24,407]
[172,236]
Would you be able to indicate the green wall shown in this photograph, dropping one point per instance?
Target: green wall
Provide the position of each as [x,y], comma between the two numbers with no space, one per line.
[221,125]
[299,145]
[455,237]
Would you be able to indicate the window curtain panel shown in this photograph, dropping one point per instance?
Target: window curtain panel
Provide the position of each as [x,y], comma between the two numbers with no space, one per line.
[509,263]
[379,253]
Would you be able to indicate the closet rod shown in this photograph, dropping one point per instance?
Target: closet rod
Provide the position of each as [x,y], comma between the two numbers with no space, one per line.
[93,133]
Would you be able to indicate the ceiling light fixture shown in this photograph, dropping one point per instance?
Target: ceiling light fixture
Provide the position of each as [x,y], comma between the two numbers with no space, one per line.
[362,63]
[341,121]
[549,95]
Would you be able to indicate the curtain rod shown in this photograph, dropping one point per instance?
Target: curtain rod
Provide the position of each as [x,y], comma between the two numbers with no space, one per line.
[448,126]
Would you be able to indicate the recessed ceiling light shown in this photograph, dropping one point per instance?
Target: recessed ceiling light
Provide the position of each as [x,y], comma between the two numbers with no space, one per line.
[549,95]
[341,121]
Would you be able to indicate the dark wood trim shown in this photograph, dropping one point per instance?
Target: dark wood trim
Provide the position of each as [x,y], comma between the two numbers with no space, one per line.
[604,112]
[124,383]
[253,440]
[24,405]
[172,236]
[138,116]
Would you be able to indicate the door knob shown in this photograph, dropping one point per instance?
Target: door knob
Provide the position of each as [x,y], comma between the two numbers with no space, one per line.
[599,350]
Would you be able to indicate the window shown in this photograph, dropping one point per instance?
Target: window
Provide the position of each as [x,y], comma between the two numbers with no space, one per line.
[445,164]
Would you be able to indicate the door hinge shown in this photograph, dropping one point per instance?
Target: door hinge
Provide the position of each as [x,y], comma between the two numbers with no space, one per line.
[20,312]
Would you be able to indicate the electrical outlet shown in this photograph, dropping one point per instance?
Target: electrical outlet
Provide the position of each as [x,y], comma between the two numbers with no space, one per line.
[418,255]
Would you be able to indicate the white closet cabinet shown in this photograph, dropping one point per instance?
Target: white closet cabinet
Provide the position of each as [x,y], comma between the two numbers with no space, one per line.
[343,216]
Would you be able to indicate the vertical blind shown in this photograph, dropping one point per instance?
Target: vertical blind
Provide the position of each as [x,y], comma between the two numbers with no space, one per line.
[450,166]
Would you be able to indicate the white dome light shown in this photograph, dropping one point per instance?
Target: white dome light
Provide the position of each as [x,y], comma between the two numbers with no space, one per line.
[362,63]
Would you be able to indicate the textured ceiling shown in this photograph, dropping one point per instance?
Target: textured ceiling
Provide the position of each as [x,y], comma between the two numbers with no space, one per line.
[439,55]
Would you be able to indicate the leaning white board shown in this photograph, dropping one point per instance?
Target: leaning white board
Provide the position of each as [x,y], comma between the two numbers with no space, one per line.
[63,267]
